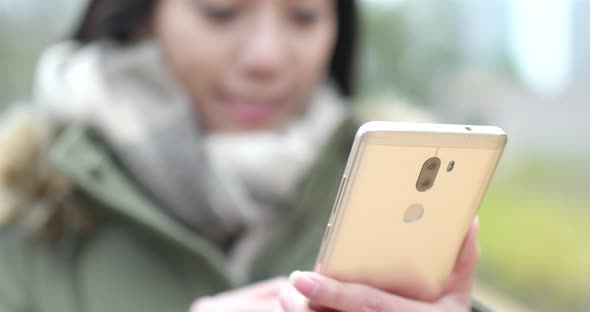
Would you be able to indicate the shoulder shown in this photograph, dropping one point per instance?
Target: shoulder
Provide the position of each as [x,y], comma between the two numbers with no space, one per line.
[24,132]
[390,109]
[365,110]
[16,262]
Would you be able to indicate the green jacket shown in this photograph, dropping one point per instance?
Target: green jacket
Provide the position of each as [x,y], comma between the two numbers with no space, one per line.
[137,258]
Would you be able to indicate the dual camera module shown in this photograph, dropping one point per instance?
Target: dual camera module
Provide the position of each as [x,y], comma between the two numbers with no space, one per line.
[429,172]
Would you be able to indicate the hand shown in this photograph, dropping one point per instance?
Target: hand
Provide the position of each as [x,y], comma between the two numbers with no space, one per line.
[259,297]
[310,291]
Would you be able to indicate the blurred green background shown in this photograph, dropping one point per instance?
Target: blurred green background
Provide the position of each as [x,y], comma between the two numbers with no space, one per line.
[522,65]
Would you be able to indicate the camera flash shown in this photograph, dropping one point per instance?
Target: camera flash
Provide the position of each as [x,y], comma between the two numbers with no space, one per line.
[451,166]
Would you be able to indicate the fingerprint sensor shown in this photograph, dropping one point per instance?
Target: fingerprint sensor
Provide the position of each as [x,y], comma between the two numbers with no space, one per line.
[413,213]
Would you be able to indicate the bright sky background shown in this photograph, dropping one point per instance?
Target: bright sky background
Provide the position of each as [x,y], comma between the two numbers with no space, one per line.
[541,42]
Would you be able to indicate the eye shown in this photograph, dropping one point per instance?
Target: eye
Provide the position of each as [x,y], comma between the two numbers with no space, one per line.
[304,16]
[218,13]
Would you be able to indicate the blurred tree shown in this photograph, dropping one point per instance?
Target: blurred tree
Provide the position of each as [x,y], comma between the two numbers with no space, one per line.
[408,48]
[383,44]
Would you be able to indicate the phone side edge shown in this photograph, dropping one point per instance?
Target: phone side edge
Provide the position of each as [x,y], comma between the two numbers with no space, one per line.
[353,156]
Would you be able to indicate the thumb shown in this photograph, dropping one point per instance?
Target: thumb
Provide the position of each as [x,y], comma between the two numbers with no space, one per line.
[291,300]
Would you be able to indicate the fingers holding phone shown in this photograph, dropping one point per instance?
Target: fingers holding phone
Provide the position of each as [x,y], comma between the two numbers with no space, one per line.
[312,292]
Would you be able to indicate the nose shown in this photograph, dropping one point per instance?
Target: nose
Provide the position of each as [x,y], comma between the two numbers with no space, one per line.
[263,54]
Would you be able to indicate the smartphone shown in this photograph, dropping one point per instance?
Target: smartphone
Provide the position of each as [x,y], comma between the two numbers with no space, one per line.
[408,196]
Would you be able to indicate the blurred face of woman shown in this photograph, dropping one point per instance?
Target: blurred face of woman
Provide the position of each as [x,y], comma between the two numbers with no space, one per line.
[247,64]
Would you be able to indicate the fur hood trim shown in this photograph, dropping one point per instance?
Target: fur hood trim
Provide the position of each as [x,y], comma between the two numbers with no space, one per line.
[32,193]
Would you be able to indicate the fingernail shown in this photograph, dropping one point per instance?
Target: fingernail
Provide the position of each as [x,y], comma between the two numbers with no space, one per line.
[304,283]
[292,276]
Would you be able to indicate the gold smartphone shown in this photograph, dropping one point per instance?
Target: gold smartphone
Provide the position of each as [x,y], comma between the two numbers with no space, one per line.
[408,196]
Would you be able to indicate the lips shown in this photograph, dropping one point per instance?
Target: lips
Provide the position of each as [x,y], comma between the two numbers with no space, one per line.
[250,111]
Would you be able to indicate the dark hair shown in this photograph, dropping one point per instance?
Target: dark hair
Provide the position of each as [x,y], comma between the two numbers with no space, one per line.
[118,20]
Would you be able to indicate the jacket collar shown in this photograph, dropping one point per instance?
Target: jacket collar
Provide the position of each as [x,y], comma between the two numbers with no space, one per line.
[82,156]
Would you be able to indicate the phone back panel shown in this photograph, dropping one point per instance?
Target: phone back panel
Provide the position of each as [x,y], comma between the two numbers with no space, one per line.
[368,240]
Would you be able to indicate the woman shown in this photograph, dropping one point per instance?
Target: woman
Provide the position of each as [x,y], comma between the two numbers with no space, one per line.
[180,151]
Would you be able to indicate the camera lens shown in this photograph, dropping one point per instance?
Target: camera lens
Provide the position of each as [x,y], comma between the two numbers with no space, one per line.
[427,176]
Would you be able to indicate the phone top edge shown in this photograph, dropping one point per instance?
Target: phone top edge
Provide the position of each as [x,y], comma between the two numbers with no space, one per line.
[395,126]
[429,134]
